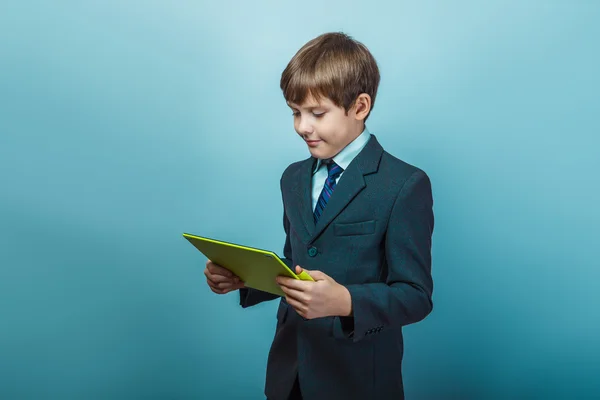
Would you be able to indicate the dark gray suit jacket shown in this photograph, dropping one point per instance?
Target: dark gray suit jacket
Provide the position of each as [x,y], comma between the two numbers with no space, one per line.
[374,237]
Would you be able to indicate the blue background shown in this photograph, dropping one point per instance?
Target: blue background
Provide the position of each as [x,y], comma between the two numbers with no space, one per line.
[124,124]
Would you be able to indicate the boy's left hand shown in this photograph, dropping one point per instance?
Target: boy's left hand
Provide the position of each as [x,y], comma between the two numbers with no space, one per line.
[322,298]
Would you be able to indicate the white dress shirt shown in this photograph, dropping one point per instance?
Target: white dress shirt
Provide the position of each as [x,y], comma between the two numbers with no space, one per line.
[343,159]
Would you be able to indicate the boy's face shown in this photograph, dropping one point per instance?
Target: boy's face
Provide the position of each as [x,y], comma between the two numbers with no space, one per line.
[325,127]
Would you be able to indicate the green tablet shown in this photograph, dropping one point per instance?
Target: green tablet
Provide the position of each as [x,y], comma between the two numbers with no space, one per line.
[257,268]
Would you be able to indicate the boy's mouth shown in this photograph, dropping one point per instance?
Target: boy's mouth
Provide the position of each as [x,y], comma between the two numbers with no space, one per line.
[312,142]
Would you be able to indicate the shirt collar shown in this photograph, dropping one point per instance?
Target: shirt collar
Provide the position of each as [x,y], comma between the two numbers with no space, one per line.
[344,157]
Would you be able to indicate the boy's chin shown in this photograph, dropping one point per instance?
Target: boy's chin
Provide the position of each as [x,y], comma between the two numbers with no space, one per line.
[320,153]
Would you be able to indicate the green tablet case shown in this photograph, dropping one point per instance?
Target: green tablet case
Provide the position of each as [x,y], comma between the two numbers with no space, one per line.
[256,268]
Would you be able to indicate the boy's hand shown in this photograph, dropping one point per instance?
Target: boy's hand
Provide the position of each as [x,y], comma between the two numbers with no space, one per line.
[322,298]
[221,280]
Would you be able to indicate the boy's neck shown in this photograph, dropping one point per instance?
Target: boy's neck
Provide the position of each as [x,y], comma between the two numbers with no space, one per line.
[361,129]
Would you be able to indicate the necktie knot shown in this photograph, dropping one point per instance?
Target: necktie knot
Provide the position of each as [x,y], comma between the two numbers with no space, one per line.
[333,170]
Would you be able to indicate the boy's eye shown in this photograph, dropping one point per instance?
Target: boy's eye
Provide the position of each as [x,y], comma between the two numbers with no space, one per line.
[316,115]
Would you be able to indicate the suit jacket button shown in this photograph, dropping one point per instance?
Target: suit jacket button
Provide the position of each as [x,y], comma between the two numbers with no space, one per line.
[312,251]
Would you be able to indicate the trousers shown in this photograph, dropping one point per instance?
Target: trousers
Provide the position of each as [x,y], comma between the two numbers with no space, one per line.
[295,394]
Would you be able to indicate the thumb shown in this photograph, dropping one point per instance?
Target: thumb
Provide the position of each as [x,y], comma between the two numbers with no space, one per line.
[316,275]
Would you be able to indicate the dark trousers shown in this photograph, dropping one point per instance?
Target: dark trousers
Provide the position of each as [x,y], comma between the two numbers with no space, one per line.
[295,394]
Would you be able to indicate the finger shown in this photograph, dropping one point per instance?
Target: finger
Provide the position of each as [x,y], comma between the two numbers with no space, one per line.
[217,278]
[233,287]
[220,279]
[292,283]
[317,275]
[214,288]
[229,285]
[237,281]
[239,285]
[212,284]
[294,294]
[217,269]
[298,306]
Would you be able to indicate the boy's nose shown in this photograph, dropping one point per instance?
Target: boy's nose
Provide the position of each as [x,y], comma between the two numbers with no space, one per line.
[304,127]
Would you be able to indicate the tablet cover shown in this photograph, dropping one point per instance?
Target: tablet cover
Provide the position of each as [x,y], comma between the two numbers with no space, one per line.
[257,268]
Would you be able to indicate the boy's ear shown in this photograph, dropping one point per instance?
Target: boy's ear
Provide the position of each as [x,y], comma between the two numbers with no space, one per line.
[362,106]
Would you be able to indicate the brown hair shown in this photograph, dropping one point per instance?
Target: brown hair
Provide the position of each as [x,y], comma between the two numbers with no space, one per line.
[332,65]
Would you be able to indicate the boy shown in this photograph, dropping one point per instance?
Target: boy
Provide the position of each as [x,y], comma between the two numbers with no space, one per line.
[360,222]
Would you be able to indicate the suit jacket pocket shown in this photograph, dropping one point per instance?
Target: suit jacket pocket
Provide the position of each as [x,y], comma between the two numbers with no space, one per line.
[354,228]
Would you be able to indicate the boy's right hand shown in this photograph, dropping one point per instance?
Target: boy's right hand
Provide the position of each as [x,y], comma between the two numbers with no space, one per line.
[221,280]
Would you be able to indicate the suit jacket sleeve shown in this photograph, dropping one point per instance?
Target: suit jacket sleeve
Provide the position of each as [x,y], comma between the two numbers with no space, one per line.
[249,296]
[406,295]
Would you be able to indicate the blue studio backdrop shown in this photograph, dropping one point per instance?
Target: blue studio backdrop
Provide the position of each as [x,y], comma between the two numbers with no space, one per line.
[125,124]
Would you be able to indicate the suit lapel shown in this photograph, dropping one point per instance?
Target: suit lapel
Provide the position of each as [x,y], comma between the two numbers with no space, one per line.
[350,184]
[302,197]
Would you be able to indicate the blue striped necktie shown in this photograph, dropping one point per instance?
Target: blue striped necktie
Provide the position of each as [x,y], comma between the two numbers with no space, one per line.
[334,172]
